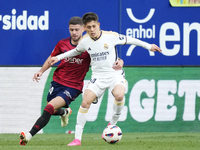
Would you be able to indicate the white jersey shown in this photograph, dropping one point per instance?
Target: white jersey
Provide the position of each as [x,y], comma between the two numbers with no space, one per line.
[103,53]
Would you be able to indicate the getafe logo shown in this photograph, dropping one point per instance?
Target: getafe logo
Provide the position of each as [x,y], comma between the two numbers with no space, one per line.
[105,46]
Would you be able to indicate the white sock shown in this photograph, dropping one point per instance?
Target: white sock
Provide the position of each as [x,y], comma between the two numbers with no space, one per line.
[28,136]
[117,109]
[80,122]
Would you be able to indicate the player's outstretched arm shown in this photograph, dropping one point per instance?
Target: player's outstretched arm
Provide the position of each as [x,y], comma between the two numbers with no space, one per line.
[70,53]
[137,42]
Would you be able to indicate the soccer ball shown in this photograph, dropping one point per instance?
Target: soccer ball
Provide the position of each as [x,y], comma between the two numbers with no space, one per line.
[112,134]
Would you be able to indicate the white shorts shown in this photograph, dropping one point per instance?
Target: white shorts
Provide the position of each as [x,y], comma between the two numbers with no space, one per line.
[99,86]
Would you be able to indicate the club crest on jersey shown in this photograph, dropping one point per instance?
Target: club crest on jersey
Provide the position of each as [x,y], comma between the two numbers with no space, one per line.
[105,46]
[121,37]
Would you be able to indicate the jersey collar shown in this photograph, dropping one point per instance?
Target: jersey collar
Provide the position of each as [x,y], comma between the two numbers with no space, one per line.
[98,37]
[71,42]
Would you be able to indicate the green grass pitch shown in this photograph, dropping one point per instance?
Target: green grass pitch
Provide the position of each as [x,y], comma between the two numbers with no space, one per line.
[130,141]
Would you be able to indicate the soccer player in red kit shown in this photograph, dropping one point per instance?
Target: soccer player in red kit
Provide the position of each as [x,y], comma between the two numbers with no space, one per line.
[67,81]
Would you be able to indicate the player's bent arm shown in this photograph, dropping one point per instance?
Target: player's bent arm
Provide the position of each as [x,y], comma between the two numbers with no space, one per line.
[118,65]
[121,62]
[46,65]
[73,52]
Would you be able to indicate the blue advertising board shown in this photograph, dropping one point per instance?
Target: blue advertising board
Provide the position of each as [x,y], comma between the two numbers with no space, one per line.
[30,29]
[176,30]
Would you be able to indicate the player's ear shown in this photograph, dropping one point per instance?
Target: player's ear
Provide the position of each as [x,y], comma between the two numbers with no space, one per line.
[83,28]
[99,25]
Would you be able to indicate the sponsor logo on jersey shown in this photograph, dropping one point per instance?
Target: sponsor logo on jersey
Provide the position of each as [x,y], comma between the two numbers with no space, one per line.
[99,56]
[74,60]
[89,49]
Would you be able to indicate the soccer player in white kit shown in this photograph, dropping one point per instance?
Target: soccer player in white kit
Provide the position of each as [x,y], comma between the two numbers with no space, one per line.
[101,47]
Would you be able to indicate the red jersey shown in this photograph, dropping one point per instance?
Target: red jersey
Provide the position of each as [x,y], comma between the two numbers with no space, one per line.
[71,71]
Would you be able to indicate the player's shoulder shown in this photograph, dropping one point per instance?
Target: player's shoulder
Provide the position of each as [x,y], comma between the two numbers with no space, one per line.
[112,33]
[65,39]
[85,36]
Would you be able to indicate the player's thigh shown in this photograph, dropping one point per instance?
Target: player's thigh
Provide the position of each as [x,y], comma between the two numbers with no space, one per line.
[88,97]
[68,94]
[118,87]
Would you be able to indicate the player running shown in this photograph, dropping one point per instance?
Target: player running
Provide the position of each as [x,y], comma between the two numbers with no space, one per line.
[67,81]
[101,47]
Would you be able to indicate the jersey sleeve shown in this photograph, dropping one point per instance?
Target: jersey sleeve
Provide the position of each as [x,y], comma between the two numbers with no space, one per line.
[70,53]
[119,39]
[137,42]
[56,50]
[80,46]
[122,40]
[74,52]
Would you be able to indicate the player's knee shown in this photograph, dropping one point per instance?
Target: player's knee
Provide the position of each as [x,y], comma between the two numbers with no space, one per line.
[85,104]
[49,108]
[119,97]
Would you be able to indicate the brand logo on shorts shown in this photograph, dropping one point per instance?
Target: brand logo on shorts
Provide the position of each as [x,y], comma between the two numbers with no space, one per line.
[51,90]
[67,93]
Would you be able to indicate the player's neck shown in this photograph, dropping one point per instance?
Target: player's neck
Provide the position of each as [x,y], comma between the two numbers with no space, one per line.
[75,42]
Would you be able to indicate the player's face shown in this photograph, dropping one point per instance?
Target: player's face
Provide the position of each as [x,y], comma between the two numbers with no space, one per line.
[76,32]
[92,28]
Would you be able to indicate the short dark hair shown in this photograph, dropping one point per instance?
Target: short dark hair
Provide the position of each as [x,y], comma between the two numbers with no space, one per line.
[76,20]
[90,16]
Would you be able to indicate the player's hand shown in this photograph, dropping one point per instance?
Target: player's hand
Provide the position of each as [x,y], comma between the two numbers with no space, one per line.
[118,64]
[53,60]
[155,48]
[37,76]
